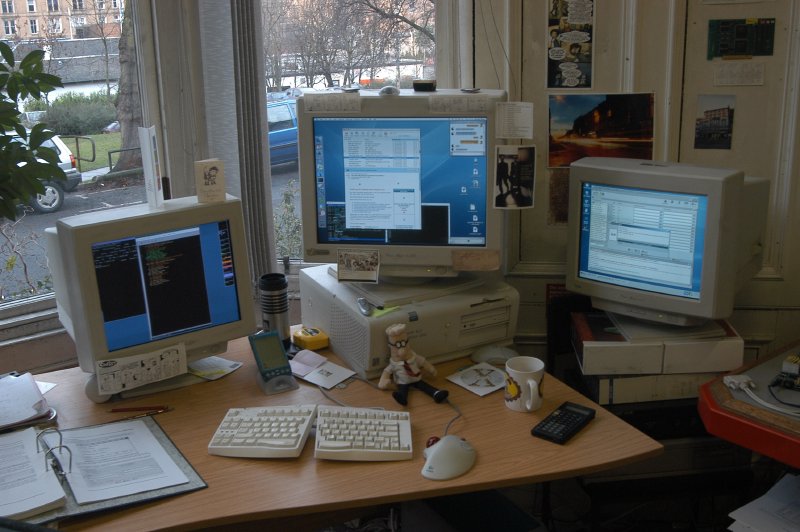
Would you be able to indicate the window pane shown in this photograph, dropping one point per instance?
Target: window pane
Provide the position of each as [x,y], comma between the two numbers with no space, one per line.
[388,42]
[95,117]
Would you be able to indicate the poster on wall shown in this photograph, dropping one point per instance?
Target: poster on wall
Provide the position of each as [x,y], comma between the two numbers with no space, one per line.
[599,125]
[740,38]
[514,177]
[713,125]
[569,44]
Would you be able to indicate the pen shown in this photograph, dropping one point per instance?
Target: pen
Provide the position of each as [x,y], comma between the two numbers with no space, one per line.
[145,414]
[139,408]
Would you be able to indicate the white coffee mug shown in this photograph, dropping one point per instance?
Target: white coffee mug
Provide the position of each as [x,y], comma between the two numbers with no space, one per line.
[524,376]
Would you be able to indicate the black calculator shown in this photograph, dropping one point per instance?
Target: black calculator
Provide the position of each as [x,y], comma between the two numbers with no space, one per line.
[563,422]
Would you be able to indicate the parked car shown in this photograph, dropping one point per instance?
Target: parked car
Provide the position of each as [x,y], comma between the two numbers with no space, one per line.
[282,121]
[113,127]
[53,196]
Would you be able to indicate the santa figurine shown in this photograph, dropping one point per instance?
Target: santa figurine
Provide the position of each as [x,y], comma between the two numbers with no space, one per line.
[405,368]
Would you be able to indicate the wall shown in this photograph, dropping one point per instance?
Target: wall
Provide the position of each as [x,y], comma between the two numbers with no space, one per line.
[79,60]
[659,47]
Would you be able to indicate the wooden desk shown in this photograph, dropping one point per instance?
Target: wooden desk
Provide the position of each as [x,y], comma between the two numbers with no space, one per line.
[246,490]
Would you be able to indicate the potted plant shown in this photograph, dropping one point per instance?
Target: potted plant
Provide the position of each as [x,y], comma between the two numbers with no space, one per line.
[24,162]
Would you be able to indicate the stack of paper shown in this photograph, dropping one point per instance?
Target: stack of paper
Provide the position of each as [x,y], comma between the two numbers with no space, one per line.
[27,484]
[777,510]
[21,402]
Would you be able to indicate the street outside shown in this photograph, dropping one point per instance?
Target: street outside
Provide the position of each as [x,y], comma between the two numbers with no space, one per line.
[28,230]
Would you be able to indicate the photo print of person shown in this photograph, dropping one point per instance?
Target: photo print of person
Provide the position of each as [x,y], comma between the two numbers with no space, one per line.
[515,177]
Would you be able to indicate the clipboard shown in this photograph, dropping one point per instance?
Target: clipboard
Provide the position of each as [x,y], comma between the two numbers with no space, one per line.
[72,509]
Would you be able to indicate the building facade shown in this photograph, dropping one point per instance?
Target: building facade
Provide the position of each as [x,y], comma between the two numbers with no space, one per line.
[50,20]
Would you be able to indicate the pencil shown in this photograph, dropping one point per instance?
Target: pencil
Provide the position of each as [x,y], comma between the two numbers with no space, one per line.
[139,408]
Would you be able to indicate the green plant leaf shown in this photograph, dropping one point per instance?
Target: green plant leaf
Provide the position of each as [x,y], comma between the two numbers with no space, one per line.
[8,208]
[12,88]
[21,132]
[7,53]
[48,79]
[39,133]
[30,60]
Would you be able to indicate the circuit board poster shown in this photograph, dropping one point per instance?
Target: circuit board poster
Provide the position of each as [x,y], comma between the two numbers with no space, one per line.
[569,44]
[747,37]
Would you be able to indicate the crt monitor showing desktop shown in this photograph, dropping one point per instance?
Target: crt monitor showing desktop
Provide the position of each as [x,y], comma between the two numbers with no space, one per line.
[410,176]
[664,242]
[136,287]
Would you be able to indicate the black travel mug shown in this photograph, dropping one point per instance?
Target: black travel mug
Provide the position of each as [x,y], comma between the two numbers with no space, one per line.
[275,305]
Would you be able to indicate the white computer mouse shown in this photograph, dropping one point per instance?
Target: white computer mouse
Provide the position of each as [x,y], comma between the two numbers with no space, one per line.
[448,458]
[496,355]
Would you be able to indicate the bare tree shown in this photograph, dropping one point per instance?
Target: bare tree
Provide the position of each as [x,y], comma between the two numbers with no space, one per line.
[129,103]
[327,37]
[321,26]
[416,14]
[98,15]
[273,20]
[371,36]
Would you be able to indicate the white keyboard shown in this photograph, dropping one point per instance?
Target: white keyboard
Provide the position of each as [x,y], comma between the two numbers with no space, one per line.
[343,433]
[263,432]
[365,434]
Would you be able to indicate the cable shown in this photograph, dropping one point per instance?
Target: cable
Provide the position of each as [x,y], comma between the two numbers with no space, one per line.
[781,401]
[458,415]
[338,402]
[746,384]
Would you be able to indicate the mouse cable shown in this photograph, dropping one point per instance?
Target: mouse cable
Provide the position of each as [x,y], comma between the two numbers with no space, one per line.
[338,402]
[458,415]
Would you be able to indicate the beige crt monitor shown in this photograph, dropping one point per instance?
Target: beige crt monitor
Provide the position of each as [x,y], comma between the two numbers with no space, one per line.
[143,291]
[407,176]
[663,241]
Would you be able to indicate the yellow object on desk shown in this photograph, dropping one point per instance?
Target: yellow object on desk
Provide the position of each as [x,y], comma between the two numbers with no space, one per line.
[310,338]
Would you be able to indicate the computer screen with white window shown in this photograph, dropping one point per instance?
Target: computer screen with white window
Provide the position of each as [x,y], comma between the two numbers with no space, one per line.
[665,242]
[646,239]
[410,176]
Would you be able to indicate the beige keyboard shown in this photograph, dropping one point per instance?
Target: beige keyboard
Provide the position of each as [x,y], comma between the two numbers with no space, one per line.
[263,432]
[362,434]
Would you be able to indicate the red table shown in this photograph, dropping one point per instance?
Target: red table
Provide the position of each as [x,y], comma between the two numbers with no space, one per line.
[743,423]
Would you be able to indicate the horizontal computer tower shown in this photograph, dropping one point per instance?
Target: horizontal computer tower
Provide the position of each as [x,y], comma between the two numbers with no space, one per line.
[445,320]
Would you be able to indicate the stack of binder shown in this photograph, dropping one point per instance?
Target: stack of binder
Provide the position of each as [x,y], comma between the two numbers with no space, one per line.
[49,475]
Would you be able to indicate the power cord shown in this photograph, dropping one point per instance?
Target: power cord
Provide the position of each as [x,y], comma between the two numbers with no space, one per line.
[746,384]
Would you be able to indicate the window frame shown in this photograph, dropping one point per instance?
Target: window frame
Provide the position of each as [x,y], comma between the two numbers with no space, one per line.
[171,43]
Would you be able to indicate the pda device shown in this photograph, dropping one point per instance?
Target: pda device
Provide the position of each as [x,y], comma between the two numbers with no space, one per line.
[273,364]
